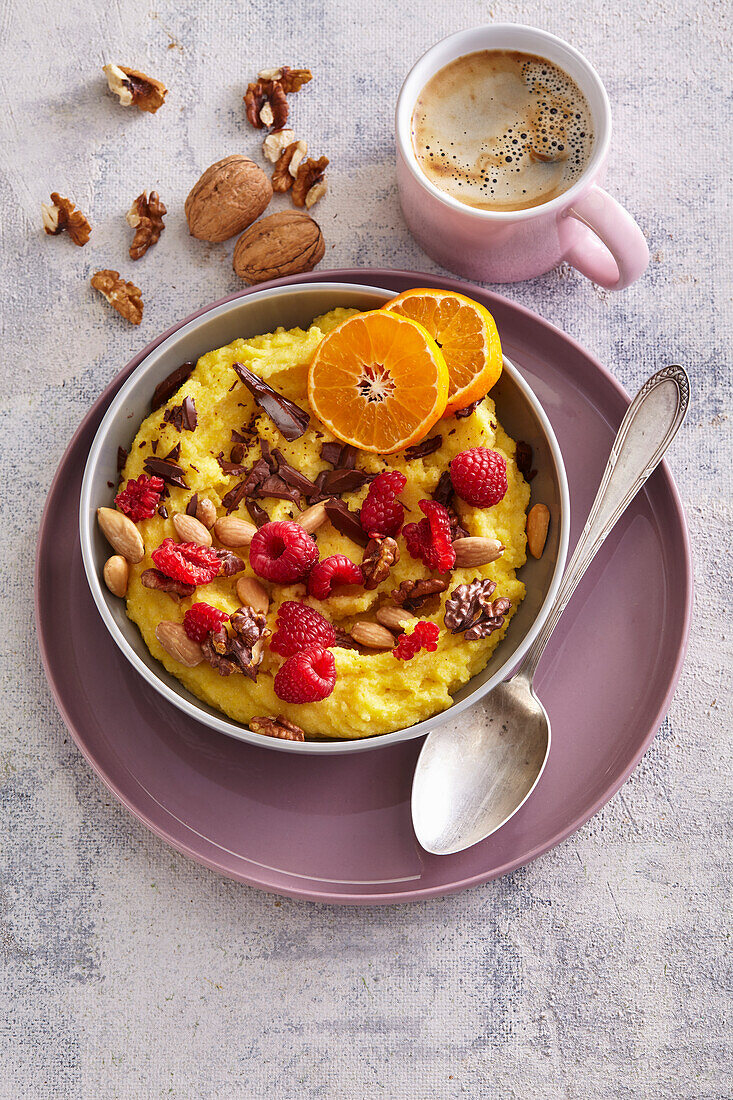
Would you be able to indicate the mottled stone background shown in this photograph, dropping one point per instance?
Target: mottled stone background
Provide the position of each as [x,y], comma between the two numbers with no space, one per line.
[601,970]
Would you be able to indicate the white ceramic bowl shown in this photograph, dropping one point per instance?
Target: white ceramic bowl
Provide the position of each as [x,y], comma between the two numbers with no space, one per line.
[519,412]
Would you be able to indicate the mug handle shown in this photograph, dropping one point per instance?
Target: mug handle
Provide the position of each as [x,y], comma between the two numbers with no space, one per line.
[619,254]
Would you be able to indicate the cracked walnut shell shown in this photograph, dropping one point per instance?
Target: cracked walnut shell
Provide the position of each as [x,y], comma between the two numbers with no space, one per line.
[227,198]
[62,216]
[145,216]
[286,243]
[133,87]
[126,298]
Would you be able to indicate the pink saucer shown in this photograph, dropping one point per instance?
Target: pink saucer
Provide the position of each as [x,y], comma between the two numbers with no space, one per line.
[338,829]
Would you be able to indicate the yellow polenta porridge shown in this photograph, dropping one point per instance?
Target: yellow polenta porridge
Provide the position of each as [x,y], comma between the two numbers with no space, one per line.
[266,540]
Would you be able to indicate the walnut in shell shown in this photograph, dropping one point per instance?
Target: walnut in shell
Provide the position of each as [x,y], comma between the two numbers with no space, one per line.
[229,196]
[286,243]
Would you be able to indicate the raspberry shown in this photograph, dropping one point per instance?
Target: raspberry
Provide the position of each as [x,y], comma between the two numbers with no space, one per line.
[201,619]
[382,513]
[424,636]
[300,627]
[140,498]
[306,677]
[187,562]
[430,539]
[479,476]
[282,551]
[326,574]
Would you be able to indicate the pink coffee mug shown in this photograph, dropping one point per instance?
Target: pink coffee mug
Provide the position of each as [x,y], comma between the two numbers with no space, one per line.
[584,226]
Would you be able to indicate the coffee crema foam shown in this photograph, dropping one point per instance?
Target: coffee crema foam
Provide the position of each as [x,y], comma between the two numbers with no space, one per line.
[502,130]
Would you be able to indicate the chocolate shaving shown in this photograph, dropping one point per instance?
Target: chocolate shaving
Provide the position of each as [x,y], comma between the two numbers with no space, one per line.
[523,459]
[293,477]
[342,455]
[257,513]
[169,471]
[237,453]
[174,453]
[460,413]
[162,511]
[154,446]
[192,506]
[174,416]
[240,437]
[336,482]
[344,639]
[346,522]
[443,491]
[267,456]
[121,459]
[234,497]
[153,578]
[190,416]
[165,389]
[288,418]
[275,486]
[426,447]
[229,468]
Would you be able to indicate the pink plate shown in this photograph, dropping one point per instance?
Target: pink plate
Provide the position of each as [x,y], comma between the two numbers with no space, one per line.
[337,829]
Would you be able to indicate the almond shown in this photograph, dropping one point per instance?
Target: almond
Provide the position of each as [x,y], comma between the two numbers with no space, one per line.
[121,533]
[177,644]
[206,512]
[286,243]
[475,550]
[314,517]
[538,521]
[229,196]
[372,635]
[231,531]
[190,529]
[252,594]
[395,618]
[116,575]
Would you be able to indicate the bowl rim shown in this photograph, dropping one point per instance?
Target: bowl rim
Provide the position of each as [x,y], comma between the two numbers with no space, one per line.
[220,723]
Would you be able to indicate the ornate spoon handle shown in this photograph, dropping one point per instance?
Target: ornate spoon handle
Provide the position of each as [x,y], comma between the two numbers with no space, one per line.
[649,426]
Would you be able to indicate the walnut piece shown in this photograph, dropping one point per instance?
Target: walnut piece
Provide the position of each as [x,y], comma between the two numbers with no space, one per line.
[286,169]
[277,727]
[316,193]
[242,651]
[133,87]
[153,578]
[310,172]
[126,298]
[275,142]
[266,105]
[61,215]
[471,609]
[292,80]
[145,216]
[380,554]
[413,594]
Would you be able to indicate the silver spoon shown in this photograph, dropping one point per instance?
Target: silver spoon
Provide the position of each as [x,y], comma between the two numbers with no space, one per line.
[469,781]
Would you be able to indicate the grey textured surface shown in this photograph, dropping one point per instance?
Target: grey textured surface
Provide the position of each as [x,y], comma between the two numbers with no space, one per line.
[601,970]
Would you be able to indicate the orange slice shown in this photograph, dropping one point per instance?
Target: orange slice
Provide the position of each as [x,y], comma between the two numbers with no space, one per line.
[378,381]
[466,334]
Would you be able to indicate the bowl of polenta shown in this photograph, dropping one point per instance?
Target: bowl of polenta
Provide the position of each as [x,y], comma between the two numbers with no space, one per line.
[321,518]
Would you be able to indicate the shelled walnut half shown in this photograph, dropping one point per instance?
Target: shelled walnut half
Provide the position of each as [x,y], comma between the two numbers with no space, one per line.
[61,215]
[145,216]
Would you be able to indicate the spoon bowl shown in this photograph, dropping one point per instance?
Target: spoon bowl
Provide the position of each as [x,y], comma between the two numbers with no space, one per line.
[471,779]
